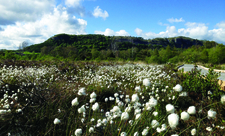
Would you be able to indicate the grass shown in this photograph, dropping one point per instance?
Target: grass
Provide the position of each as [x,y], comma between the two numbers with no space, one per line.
[44,90]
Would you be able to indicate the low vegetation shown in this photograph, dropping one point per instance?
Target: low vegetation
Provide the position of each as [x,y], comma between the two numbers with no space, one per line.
[91,98]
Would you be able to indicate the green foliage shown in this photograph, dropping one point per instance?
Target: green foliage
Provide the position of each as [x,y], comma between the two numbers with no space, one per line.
[198,85]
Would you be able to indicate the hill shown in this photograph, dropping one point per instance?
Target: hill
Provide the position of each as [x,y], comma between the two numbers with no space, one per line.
[101,42]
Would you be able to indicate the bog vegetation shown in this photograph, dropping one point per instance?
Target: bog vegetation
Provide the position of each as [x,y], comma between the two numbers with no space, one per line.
[91,98]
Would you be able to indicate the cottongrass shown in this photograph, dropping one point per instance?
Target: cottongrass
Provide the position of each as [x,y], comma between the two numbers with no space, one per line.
[119,100]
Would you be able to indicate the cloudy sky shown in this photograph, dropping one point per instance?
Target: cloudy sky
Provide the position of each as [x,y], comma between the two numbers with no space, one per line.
[35,21]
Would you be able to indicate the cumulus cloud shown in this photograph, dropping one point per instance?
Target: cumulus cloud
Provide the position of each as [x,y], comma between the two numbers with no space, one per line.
[59,21]
[221,24]
[100,13]
[74,6]
[109,32]
[172,20]
[12,11]
[138,31]
[193,30]
[72,3]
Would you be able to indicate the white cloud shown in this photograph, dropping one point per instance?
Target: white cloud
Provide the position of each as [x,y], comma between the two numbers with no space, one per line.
[109,32]
[72,3]
[59,21]
[99,13]
[221,24]
[138,31]
[23,10]
[172,20]
[193,30]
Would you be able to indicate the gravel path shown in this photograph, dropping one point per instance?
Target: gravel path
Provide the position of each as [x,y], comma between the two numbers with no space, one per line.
[188,67]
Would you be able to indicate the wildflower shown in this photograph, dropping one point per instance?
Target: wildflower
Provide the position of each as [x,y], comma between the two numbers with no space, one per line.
[170,108]
[154,123]
[137,89]
[116,94]
[106,99]
[81,109]
[136,134]
[56,121]
[135,98]
[93,95]
[155,113]
[82,91]
[173,120]
[138,116]
[184,116]
[75,102]
[177,88]
[183,94]
[211,114]
[163,127]
[78,132]
[146,82]
[123,134]
[145,132]
[116,109]
[152,102]
[191,110]
[92,100]
[209,129]
[124,116]
[95,107]
[223,99]
[193,132]
[130,122]
[91,129]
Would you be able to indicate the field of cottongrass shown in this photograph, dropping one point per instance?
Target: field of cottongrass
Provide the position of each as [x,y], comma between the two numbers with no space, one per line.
[107,99]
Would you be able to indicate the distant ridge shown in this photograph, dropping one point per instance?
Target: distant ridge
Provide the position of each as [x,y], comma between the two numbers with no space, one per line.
[101,42]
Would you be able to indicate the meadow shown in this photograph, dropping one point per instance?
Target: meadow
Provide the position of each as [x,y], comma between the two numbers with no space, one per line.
[108,99]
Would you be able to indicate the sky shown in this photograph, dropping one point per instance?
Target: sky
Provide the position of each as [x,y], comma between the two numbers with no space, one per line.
[34,21]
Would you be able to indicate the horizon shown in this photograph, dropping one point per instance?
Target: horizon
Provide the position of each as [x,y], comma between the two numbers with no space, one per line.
[36,21]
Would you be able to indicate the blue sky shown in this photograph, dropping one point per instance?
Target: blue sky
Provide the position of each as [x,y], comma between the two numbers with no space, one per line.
[37,20]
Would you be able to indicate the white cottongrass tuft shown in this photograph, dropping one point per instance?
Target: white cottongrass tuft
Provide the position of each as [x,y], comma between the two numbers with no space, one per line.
[178,88]
[91,130]
[154,123]
[75,102]
[82,91]
[123,134]
[78,132]
[124,116]
[170,108]
[152,102]
[193,131]
[95,107]
[56,121]
[173,120]
[135,98]
[191,110]
[145,132]
[209,129]
[93,95]
[82,109]
[146,82]
[137,89]
[222,99]
[136,134]
[185,116]
[211,114]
